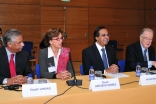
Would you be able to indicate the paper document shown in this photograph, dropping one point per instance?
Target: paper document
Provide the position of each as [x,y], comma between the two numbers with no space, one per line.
[118,75]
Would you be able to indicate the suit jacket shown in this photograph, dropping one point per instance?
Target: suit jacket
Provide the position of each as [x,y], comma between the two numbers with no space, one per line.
[21,61]
[1,41]
[92,57]
[44,64]
[134,55]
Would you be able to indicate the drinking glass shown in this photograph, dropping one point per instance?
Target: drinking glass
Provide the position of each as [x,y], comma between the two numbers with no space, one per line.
[145,70]
[98,74]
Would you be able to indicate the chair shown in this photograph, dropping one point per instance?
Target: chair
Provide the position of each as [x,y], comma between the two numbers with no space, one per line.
[81,70]
[155,58]
[114,44]
[33,53]
[119,48]
[121,64]
[28,46]
[37,70]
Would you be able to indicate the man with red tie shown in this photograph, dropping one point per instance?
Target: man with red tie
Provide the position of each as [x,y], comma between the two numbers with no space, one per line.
[14,63]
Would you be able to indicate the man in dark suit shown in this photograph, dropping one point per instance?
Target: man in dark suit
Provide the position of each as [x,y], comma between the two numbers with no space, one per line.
[93,55]
[15,69]
[141,52]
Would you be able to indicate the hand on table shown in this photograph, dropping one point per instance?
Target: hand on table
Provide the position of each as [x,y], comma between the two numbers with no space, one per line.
[113,69]
[63,75]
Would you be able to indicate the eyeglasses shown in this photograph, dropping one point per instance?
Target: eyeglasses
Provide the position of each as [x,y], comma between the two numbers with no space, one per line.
[58,39]
[145,38]
[103,35]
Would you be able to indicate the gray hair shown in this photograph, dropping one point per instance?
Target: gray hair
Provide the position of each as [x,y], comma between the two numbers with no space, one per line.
[146,29]
[10,36]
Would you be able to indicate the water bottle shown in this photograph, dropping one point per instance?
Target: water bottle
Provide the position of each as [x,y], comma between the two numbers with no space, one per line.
[91,73]
[30,79]
[138,70]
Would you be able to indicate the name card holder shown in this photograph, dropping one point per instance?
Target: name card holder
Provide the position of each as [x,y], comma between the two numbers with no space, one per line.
[104,84]
[147,80]
[30,90]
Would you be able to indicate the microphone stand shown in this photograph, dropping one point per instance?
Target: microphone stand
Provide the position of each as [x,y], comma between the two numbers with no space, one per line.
[74,82]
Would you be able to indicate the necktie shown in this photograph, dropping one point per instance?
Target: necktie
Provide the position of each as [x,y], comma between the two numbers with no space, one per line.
[145,57]
[104,58]
[12,66]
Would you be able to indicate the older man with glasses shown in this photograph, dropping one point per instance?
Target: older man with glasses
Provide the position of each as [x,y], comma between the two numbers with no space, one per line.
[141,52]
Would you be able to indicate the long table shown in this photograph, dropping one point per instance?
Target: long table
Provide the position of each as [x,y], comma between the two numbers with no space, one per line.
[128,94]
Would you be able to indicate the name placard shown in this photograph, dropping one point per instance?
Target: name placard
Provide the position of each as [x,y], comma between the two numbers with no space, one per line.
[30,90]
[104,84]
[147,80]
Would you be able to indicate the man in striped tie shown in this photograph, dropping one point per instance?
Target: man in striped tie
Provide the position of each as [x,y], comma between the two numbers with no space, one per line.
[100,55]
[141,52]
[14,63]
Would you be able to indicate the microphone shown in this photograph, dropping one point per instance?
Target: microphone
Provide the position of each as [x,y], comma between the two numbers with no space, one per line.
[74,82]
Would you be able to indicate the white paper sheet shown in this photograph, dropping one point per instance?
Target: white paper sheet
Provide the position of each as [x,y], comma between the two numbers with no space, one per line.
[118,75]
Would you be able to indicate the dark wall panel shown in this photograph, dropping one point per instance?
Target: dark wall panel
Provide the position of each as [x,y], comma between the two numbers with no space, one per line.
[60,3]
[20,2]
[19,14]
[132,4]
[52,15]
[105,16]
[149,4]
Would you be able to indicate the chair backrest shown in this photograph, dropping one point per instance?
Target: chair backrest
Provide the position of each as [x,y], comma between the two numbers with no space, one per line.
[37,69]
[81,70]
[121,64]
[113,43]
[28,46]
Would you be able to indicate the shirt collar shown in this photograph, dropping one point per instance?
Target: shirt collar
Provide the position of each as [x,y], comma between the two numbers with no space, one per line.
[50,52]
[98,46]
[142,47]
[8,52]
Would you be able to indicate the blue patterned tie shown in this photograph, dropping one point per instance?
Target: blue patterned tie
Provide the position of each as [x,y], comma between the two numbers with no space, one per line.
[145,57]
[104,58]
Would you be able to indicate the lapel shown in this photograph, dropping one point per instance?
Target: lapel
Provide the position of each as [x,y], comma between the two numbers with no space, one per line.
[139,50]
[97,55]
[150,54]
[5,61]
[18,61]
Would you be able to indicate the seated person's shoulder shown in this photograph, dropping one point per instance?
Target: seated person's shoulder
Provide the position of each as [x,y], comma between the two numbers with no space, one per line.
[25,53]
[133,45]
[87,49]
[44,49]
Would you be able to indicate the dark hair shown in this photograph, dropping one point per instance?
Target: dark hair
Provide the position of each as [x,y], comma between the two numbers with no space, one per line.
[50,35]
[10,36]
[96,32]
